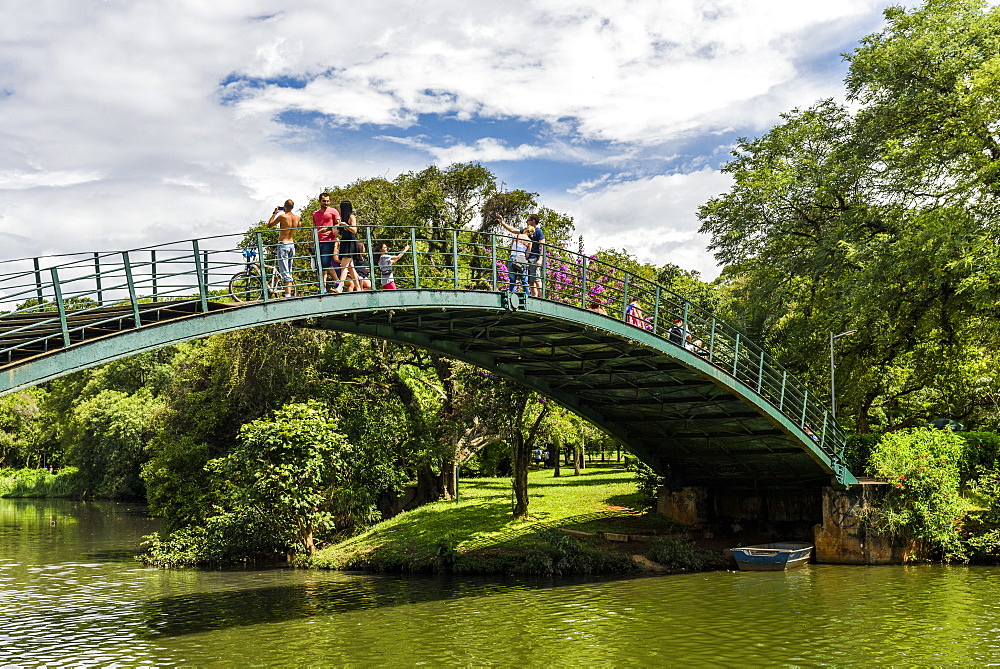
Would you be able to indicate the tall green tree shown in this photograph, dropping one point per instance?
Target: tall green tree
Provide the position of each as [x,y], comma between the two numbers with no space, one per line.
[882,219]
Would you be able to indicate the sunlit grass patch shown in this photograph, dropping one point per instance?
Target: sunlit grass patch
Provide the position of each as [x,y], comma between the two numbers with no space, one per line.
[480,520]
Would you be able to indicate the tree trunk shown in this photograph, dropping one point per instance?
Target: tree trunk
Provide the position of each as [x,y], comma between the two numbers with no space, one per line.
[448,471]
[521,457]
[428,487]
[306,537]
[577,456]
[557,457]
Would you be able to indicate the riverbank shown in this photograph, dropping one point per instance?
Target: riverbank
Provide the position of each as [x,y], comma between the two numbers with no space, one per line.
[40,483]
[578,525]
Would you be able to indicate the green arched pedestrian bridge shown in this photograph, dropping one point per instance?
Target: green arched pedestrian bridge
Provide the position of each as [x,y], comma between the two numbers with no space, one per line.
[711,408]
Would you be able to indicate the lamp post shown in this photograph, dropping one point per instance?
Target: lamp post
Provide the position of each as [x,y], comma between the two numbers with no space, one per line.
[833,389]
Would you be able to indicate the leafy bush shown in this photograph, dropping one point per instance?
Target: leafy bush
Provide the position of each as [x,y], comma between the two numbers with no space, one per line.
[225,538]
[981,452]
[858,450]
[40,483]
[560,554]
[647,481]
[983,526]
[924,500]
[679,552]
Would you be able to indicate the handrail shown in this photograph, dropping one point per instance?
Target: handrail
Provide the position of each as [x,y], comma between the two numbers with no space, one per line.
[197,272]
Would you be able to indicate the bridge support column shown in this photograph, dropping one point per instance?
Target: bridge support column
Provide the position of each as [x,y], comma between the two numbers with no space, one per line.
[742,515]
[846,537]
[688,506]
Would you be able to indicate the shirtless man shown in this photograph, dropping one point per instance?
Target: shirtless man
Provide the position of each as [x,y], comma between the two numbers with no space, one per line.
[286,222]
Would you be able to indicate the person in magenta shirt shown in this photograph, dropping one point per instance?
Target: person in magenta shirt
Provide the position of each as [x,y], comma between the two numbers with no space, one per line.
[326,219]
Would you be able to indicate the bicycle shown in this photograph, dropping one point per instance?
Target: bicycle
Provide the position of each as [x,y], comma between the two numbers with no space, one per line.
[245,286]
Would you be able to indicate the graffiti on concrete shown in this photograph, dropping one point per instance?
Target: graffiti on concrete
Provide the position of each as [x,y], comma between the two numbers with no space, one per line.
[843,510]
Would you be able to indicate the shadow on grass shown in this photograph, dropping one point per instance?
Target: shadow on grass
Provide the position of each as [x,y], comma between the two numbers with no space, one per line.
[578,481]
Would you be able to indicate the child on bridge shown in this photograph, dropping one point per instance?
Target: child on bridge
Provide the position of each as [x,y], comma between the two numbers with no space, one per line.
[385,263]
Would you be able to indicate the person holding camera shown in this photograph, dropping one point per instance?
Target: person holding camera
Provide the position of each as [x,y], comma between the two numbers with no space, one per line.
[517,265]
[284,253]
[533,254]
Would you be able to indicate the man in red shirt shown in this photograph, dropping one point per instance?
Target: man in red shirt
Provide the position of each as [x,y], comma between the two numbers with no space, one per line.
[326,218]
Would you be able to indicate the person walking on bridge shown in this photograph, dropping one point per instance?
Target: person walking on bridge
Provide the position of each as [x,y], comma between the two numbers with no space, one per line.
[287,223]
[326,219]
[347,248]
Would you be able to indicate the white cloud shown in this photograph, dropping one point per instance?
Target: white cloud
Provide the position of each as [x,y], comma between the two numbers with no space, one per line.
[22,179]
[655,218]
[131,123]
[626,71]
[485,150]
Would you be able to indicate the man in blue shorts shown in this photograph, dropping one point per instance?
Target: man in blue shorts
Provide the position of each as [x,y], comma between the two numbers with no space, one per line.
[326,219]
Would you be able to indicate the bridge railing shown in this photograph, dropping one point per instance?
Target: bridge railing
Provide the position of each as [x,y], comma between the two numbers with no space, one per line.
[55,301]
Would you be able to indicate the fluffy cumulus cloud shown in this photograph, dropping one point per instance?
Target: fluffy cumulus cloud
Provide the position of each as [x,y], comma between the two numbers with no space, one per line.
[654,218]
[128,123]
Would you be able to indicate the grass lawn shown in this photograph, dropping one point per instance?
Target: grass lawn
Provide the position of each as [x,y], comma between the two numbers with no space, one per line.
[479,523]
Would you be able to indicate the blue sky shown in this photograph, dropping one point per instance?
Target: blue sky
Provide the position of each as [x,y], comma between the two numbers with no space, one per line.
[131,123]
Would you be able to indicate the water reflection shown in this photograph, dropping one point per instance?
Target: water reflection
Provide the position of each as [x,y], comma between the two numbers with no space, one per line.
[70,594]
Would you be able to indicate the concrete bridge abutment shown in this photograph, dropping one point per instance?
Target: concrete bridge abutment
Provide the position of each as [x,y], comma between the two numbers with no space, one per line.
[836,522]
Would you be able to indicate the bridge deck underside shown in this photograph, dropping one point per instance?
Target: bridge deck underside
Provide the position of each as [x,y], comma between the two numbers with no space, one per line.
[26,335]
[681,420]
[688,419]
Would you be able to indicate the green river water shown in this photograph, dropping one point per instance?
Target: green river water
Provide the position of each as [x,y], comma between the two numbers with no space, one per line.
[70,594]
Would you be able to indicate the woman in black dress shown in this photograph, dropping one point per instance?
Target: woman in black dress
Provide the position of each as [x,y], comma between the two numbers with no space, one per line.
[349,251]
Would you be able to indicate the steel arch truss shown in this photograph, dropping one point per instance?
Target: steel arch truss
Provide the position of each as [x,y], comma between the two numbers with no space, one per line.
[687,418]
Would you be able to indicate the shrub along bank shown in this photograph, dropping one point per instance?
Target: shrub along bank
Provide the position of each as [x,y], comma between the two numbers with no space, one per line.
[944,489]
[476,534]
[40,483]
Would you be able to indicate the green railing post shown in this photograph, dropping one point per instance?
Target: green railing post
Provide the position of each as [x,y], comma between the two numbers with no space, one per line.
[131,289]
[57,290]
[38,282]
[781,402]
[805,402]
[413,253]
[687,309]
[711,341]
[542,270]
[371,255]
[493,260]
[97,278]
[317,260]
[152,268]
[656,309]
[454,255]
[265,292]
[760,372]
[736,354]
[822,438]
[583,282]
[202,290]
[624,296]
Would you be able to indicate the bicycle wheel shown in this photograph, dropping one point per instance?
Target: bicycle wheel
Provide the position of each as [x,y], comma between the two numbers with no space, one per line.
[245,287]
[277,288]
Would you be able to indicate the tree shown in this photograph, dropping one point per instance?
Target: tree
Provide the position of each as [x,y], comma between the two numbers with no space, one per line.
[107,438]
[881,220]
[20,429]
[292,470]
